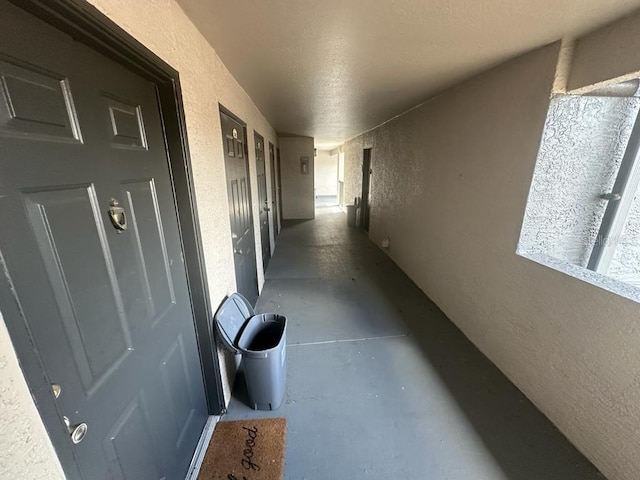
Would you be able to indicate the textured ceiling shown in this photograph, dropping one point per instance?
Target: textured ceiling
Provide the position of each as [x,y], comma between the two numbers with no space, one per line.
[331,69]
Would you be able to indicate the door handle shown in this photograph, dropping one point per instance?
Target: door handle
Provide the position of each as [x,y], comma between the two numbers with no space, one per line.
[76,432]
[238,252]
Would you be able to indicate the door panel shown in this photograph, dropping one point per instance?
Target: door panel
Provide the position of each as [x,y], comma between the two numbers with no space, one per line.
[240,215]
[129,445]
[39,104]
[109,311]
[263,201]
[274,205]
[127,127]
[149,245]
[70,238]
[175,379]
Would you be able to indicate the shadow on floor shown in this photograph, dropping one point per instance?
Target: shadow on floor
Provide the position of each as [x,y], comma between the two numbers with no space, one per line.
[521,439]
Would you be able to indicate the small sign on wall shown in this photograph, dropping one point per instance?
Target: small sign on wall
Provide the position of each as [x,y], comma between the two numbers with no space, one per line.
[304,165]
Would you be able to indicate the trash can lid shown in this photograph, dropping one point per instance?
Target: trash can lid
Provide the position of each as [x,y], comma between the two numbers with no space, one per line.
[231,317]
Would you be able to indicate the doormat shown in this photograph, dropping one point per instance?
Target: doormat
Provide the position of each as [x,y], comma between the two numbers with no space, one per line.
[246,450]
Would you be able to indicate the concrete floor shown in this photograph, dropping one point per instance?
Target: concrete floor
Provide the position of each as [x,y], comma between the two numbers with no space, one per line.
[381,385]
[326,201]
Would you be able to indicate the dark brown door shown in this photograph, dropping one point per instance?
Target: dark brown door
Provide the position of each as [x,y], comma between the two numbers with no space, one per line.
[92,246]
[274,204]
[365,202]
[239,191]
[263,201]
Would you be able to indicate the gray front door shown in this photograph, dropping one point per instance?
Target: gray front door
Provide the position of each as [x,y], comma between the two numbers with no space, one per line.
[90,241]
[240,214]
[263,201]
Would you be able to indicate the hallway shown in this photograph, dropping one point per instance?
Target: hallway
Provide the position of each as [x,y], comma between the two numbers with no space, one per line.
[381,385]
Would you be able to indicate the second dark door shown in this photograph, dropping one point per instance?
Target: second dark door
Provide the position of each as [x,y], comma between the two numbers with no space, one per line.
[263,201]
[274,205]
[240,216]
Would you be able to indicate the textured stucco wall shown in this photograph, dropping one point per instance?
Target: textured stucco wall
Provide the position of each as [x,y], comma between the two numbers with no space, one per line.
[582,147]
[164,28]
[25,449]
[326,173]
[451,184]
[353,169]
[297,189]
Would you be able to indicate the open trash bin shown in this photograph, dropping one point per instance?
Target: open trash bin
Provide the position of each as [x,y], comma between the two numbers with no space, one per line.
[261,340]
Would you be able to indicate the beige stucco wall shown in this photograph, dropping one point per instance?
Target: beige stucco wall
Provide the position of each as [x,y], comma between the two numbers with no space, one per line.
[163,28]
[353,157]
[297,189]
[450,184]
[25,449]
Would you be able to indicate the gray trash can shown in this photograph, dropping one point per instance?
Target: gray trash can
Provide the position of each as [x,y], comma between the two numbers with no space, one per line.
[351,215]
[261,340]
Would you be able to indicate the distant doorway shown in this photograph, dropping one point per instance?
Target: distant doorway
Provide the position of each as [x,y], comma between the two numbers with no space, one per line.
[365,203]
[326,201]
[325,181]
[341,199]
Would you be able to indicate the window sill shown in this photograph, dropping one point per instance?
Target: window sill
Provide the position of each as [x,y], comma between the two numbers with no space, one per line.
[597,279]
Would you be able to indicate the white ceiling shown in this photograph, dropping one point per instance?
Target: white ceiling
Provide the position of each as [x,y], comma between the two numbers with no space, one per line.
[332,69]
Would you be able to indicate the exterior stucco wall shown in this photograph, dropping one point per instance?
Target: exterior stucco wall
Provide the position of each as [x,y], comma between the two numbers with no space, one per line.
[163,28]
[451,183]
[353,157]
[25,449]
[580,154]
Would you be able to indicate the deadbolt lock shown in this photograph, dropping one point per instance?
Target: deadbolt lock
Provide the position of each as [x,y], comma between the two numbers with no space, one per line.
[76,432]
[56,389]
